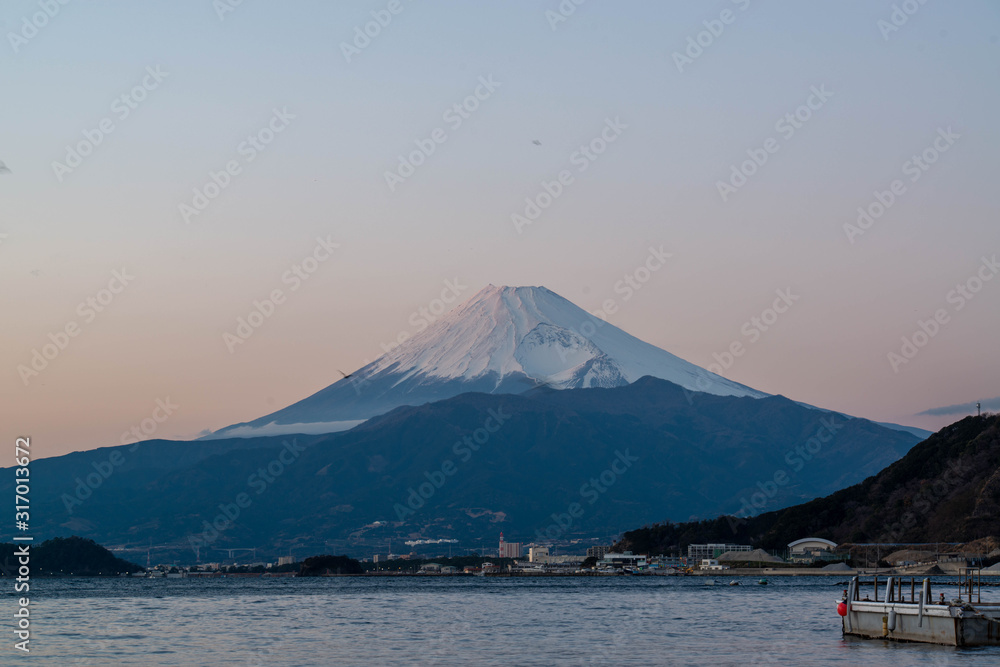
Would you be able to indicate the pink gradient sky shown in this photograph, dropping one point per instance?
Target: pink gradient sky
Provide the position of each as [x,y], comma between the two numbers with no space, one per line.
[655,185]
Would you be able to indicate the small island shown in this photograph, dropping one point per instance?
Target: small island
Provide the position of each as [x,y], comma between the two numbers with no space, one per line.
[68,557]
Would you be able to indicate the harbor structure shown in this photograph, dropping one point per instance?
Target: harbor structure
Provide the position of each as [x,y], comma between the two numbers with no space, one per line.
[907,611]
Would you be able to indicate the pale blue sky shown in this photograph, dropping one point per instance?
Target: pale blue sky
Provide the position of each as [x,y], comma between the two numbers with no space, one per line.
[656,184]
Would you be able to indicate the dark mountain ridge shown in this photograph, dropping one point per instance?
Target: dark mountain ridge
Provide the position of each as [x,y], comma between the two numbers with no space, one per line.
[553,466]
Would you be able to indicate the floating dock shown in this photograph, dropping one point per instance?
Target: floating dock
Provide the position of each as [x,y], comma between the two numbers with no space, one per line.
[892,614]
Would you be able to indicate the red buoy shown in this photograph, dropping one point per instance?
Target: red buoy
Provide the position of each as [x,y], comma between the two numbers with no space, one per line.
[842,609]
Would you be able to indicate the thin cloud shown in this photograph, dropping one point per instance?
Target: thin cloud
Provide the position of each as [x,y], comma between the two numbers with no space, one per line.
[962,408]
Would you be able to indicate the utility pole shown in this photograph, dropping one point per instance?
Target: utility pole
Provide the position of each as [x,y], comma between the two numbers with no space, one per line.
[979,412]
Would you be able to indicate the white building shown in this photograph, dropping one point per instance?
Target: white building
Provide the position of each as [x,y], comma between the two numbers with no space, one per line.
[538,554]
[811,549]
[810,545]
[712,564]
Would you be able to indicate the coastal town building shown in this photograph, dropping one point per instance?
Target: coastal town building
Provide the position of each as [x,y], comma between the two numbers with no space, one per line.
[509,549]
[811,549]
[619,560]
[538,554]
[697,552]
[810,545]
[668,561]
[711,564]
[598,551]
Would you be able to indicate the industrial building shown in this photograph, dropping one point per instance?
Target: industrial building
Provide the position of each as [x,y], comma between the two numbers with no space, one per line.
[699,552]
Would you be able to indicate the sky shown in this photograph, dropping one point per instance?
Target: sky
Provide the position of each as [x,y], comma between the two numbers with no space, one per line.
[169,166]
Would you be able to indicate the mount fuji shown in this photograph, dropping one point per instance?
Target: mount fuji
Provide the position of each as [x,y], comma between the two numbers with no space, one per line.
[502,415]
[504,340]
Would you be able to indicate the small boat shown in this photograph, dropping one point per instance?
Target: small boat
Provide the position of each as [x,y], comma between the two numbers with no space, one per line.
[762,582]
[734,583]
[710,582]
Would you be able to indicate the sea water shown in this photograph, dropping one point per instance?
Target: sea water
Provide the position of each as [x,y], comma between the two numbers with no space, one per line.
[453,621]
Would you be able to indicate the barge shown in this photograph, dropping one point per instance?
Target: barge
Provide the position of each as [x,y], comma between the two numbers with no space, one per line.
[889,613]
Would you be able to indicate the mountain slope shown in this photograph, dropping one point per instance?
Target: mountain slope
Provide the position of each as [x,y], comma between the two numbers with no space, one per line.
[946,489]
[502,340]
[611,457]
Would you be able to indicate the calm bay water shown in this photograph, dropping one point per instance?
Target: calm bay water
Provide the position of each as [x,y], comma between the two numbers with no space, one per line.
[453,621]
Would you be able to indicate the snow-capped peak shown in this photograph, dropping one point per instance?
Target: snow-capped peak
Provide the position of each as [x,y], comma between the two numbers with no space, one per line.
[534,332]
[502,340]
